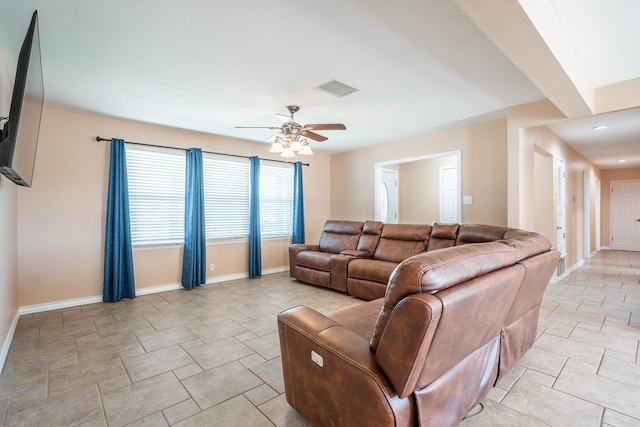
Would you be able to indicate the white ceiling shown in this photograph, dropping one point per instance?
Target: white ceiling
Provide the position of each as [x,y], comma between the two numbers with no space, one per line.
[212,65]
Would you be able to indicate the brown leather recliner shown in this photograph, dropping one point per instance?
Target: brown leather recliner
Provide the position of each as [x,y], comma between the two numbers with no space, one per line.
[427,352]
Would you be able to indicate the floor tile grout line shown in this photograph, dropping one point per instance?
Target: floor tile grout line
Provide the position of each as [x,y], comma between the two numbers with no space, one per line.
[104,412]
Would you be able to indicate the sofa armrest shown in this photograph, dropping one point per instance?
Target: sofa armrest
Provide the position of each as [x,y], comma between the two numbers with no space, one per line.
[340,266]
[339,271]
[294,250]
[299,247]
[330,375]
[406,340]
[357,254]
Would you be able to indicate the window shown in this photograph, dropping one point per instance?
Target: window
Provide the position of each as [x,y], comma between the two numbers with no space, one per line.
[226,197]
[276,200]
[156,195]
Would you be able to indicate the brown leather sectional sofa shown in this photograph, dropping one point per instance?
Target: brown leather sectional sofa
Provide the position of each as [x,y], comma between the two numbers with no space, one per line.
[457,314]
[358,257]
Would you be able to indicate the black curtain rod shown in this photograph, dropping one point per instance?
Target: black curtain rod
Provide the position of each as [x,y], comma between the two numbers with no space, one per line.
[99,138]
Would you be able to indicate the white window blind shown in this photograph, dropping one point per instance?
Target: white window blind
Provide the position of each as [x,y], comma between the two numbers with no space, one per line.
[226,197]
[561,186]
[276,200]
[157,191]
[156,194]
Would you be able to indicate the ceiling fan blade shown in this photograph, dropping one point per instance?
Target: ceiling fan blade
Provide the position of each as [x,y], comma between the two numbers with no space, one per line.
[272,138]
[284,118]
[313,136]
[258,127]
[326,126]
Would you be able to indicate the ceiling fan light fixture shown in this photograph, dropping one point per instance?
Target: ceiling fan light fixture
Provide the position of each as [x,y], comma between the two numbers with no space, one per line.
[305,150]
[276,147]
[287,153]
[294,137]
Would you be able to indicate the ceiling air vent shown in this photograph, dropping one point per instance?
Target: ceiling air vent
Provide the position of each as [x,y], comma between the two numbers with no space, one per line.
[337,88]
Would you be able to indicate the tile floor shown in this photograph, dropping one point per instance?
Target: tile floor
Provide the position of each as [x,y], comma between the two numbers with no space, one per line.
[210,356]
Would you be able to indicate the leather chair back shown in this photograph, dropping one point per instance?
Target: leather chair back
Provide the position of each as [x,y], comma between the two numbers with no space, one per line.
[338,236]
[401,241]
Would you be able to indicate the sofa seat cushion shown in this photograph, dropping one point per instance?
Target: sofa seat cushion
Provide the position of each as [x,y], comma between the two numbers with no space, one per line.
[315,260]
[366,289]
[360,319]
[371,269]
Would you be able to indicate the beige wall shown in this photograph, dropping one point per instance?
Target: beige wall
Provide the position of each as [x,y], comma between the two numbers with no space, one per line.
[8,235]
[542,140]
[520,158]
[484,171]
[605,200]
[61,218]
[543,193]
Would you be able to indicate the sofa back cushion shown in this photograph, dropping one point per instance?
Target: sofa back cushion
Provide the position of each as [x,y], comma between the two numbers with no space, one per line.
[370,236]
[442,235]
[401,241]
[479,233]
[526,243]
[338,236]
[473,313]
[427,335]
[431,272]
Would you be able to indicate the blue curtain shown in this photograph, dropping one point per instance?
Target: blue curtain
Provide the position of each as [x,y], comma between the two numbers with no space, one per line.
[298,205]
[118,256]
[255,251]
[194,258]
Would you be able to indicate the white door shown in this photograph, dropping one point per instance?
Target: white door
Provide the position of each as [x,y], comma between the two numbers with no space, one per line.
[389,196]
[625,215]
[449,206]
[597,219]
[587,216]
[561,205]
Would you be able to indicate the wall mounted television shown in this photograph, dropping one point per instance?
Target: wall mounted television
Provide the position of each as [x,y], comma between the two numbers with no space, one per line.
[19,137]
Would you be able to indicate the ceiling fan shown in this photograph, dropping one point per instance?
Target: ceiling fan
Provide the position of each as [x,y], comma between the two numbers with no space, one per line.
[290,138]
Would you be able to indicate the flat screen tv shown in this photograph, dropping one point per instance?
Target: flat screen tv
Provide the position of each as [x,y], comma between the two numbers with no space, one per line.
[19,137]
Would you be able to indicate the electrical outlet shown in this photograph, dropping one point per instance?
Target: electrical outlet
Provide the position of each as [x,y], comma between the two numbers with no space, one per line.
[212,267]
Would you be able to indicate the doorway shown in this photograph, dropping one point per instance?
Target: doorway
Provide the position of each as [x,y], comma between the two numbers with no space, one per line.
[560,205]
[418,195]
[625,215]
[389,196]
[587,216]
[597,215]
[449,195]
[543,191]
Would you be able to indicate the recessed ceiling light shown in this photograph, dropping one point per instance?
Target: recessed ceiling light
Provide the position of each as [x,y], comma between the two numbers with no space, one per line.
[600,127]
[621,161]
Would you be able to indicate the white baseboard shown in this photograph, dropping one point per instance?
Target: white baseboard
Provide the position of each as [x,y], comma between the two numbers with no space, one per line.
[157,289]
[38,308]
[567,271]
[7,342]
[57,305]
